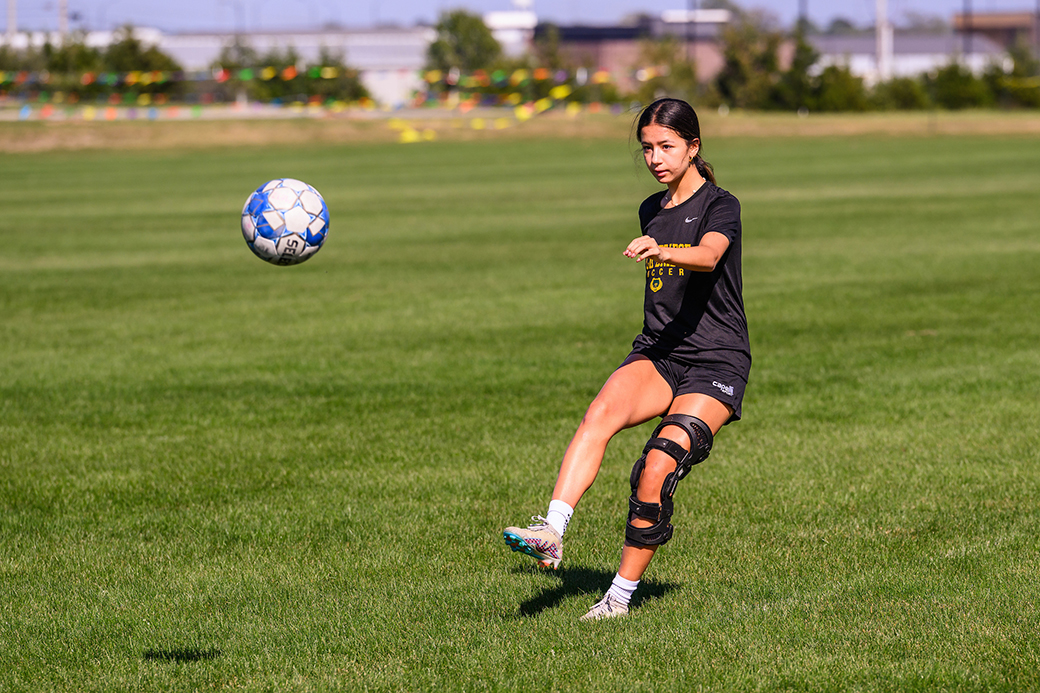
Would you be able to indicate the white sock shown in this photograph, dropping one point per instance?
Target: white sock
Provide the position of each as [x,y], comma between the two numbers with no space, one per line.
[622,589]
[559,515]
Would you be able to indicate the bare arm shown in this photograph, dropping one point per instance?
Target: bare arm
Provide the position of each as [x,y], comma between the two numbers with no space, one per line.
[699,258]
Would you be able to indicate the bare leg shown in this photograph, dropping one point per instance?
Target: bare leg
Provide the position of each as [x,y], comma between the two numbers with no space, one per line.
[636,559]
[634,394]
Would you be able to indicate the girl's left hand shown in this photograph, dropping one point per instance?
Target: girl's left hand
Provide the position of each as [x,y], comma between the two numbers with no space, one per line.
[644,247]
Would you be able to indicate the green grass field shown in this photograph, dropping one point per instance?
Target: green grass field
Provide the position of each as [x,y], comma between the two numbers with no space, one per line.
[220,474]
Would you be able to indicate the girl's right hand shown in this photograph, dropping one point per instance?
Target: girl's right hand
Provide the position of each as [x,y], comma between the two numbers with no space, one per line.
[643,247]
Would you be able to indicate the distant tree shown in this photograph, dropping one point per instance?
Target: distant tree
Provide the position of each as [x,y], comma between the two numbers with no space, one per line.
[678,77]
[637,19]
[9,58]
[463,42]
[237,54]
[73,55]
[750,69]
[28,59]
[1025,62]
[128,54]
[74,67]
[840,26]
[900,93]
[1018,86]
[734,9]
[344,85]
[956,87]
[922,23]
[67,63]
[837,89]
[281,75]
[795,89]
[805,27]
[546,50]
[275,86]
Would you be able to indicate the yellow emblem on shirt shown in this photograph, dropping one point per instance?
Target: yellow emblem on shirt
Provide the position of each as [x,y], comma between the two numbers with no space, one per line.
[655,284]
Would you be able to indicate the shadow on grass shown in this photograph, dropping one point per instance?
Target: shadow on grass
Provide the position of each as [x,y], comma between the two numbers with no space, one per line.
[181,654]
[578,581]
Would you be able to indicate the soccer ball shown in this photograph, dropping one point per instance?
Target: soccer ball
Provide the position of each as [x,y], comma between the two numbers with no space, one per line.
[285,221]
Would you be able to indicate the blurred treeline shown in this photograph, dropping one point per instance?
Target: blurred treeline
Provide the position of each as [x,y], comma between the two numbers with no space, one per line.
[466,62]
[752,77]
[127,69]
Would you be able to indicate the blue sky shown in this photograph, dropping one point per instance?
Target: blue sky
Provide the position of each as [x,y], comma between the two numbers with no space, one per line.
[246,15]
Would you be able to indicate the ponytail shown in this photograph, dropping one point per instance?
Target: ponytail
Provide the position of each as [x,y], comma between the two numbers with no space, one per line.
[705,169]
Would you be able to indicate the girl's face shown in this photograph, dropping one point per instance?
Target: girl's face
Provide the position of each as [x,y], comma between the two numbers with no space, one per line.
[667,154]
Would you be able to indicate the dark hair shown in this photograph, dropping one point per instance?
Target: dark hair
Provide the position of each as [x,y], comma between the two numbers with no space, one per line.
[679,116]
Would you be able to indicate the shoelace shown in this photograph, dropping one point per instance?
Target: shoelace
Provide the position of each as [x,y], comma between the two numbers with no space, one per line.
[536,525]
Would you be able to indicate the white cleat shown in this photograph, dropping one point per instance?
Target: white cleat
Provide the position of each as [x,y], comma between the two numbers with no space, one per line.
[608,607]
[539,541]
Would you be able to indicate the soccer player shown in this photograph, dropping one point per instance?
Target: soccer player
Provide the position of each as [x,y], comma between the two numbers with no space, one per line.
[689,365]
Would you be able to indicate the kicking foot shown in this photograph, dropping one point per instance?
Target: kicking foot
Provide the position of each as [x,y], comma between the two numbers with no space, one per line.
[539,541]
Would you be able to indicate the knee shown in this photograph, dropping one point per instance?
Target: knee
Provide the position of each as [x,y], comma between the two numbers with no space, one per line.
[676,435]
[667,458]
[659,460]
[656,468]
[659,464]
[602,419]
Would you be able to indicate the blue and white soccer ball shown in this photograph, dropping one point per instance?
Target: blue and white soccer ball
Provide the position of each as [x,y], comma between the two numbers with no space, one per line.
[285,221]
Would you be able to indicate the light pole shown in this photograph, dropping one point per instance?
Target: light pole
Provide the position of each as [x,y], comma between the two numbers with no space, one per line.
[969,24]
[257,6]
[237,7]
[12,20]
[884,42]
[691,29]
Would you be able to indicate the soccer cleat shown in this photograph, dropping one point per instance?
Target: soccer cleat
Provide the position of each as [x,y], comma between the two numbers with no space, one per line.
[539,541]
[608,607]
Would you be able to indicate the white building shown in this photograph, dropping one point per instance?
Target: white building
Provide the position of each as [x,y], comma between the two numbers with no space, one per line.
[21,40]
[514,30]
[912,54]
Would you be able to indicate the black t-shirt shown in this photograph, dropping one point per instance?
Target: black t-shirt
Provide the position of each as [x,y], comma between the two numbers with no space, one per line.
[695,317]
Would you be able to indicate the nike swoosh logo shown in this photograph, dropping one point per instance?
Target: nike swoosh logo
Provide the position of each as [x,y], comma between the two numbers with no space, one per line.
[689,219]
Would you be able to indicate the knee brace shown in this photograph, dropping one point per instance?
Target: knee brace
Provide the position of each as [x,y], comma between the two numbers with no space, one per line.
[660,514]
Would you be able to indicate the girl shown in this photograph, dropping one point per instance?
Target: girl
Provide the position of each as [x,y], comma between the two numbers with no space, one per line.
[689,365]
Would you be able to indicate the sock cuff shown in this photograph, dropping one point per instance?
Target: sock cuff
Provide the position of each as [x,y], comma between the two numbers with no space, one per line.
[621,582]
[561,507]
[622,589]
[559,515]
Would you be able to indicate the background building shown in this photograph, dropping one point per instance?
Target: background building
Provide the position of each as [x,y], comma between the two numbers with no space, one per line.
[1004,28]
[912,54]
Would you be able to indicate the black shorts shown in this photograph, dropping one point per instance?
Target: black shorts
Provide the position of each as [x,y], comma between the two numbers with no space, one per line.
[719,379]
